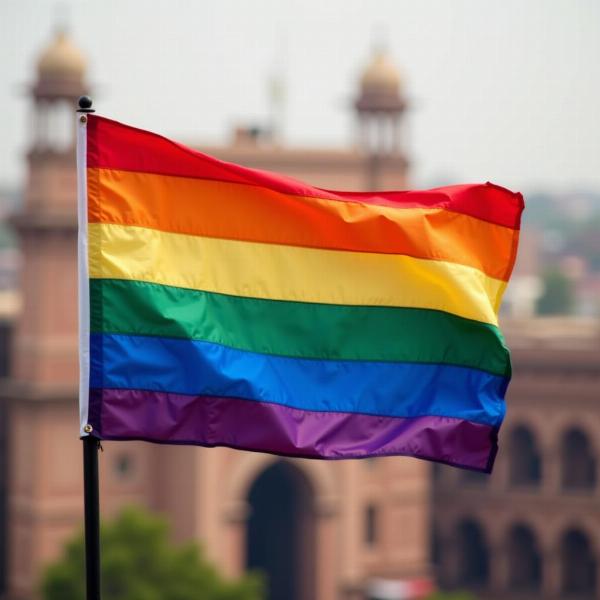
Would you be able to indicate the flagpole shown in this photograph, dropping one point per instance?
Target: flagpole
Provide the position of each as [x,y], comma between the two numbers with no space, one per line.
[91,444]
[91,503]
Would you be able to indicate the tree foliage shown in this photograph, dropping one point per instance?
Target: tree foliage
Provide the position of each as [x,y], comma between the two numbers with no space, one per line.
[558,297]
[139,563]
[452,596]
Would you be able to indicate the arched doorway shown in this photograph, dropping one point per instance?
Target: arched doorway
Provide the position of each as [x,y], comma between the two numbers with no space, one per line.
[524,560]
[280,538]
[578,566]
[473,555]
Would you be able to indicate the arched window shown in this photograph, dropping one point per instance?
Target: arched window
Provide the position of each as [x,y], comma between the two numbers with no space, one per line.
[371,528]
[435,546]
[578,566]
[524,560]
[524,457]
[473,555]
[578,462]
[124,466]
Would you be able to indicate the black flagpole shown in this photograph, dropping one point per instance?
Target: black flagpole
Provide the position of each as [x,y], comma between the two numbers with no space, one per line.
[91,487]
[91,503]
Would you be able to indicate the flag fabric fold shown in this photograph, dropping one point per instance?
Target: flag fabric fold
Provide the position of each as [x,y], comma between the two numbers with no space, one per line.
[225,306]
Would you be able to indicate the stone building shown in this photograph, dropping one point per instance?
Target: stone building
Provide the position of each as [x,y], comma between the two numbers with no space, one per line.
[532,529]
[322,530]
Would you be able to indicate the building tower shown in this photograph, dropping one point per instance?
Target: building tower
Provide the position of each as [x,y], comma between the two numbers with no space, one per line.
[61,80]
[380,107]
[44,470]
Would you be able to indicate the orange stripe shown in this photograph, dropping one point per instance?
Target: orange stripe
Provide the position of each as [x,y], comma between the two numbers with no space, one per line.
[250,213]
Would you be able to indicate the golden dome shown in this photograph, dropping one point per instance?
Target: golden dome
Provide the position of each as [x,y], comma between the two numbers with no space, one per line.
[61,59]
[381,75]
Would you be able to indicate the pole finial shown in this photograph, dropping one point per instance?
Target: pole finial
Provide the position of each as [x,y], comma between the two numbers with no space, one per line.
[85,105]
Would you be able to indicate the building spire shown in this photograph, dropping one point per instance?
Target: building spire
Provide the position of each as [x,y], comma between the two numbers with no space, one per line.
[277,93]
[380,104]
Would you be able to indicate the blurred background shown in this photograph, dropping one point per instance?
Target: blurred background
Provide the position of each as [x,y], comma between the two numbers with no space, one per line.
[344,94]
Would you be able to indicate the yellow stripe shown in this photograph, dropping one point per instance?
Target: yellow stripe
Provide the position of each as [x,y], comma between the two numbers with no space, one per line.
[277,272]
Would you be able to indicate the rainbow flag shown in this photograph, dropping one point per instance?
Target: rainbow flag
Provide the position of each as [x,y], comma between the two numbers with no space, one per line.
[226,306]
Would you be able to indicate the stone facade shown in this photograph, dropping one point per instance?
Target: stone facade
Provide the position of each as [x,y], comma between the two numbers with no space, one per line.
[532,529]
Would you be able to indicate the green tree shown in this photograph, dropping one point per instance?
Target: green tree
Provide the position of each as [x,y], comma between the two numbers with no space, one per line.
[451,596]
[138,563]
[558,297]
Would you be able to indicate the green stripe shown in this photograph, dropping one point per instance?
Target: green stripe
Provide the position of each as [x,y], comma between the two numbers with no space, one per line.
[298,329]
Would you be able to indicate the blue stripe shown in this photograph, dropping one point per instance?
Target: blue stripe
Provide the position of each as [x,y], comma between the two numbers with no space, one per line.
[374,388]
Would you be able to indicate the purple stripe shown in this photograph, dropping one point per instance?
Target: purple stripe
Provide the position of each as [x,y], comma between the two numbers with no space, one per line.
[249,425]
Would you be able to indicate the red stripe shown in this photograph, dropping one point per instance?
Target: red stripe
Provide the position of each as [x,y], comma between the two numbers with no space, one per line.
[112,145]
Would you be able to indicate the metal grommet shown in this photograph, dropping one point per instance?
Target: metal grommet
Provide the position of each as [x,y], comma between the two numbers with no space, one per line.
[83,119]
[88,428]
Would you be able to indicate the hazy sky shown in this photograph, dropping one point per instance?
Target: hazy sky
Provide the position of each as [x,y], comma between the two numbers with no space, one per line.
[507,91]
